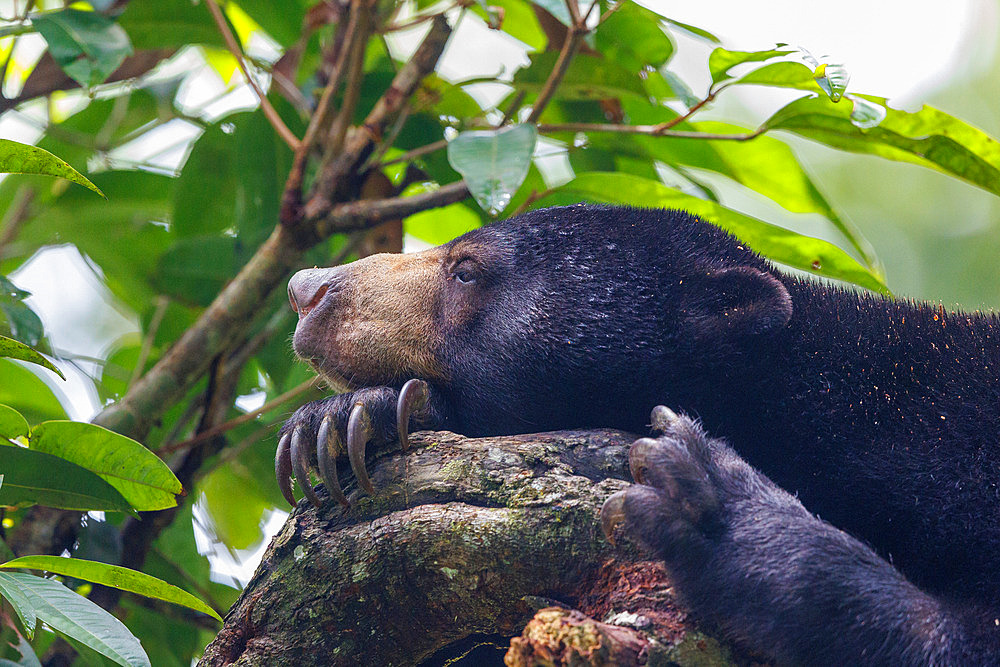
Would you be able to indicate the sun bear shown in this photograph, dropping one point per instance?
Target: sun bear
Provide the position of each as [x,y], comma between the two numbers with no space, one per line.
[878,540]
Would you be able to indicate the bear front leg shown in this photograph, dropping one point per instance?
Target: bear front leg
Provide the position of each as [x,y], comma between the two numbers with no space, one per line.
[748,557]
[321,431]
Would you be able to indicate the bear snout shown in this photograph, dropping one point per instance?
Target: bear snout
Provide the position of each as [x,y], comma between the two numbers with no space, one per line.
[307,287]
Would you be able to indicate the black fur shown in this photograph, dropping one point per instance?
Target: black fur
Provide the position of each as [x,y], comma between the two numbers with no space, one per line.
[881,416]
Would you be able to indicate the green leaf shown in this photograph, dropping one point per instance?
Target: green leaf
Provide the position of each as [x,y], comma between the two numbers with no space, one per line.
[169,23]
[122,578]
[802,252]
[722,60]
[440,225]
[38,478]
[14,350]
[782,75]
[12,423]
[927,137]
[236,511]
[27,393]
[195,269]
[493,162]
[694,30]
[633,37]
[18,158]
[87,45]
[139,475]
[519,21]
[11,591]
[79,618]
[587,78]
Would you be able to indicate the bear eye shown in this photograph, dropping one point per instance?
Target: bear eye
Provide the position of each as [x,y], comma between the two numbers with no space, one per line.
[465,272]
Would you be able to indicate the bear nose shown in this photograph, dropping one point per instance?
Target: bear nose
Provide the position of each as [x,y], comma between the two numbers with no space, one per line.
[307,287]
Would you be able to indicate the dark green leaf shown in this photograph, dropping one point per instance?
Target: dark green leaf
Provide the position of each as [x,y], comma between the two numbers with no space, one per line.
[927,137]
[38,478]
[519,21]
[79,618]
[139,475]
[87,45]
[14,350]
[18,158]
[11,591]
[22,322]
[169,23]
[115,576]
[802,252]
[722,60]
[587,78]
[196,268]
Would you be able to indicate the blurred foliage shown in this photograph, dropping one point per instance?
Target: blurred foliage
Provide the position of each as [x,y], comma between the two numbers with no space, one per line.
[194,172]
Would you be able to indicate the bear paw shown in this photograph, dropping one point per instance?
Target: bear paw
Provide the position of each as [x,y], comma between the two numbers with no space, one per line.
[317,433]
[677,505]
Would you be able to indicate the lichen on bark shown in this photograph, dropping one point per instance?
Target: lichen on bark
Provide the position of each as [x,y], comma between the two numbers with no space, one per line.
[463,536]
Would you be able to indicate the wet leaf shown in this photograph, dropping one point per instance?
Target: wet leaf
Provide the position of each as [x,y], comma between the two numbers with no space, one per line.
[493,162]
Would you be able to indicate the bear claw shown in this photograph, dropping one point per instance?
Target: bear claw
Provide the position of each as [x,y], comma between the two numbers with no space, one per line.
[300,466]
[613,515]
[412,399]
[283,469]
[327,447]
[359,431]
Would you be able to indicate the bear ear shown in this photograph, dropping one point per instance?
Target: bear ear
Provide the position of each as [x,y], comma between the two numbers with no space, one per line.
[741,300]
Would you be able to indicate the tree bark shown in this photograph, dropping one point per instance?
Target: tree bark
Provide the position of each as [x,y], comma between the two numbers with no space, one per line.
[464,536]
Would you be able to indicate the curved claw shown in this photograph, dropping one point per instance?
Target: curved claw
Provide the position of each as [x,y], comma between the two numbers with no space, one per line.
[612,515]
[412,399]
[300,464]
[326,450]
[359,430]
[662,418]
[283,469]
[638,458]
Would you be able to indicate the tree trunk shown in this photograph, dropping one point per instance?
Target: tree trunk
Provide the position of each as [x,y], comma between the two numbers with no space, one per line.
[464,536]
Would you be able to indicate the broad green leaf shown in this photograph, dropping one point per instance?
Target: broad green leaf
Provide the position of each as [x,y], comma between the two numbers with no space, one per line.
[782,75]
[38,478]
[281,20]
[27,393]
[79,618]
[493,162]
[10,590]
[634,38]
[587,78]
[194,269]
[927,137]
[22,322]
[169,23]
[722,60]
[122,578]
[87,45]
[802,252]
[206,186]
[12,423]
[14,350]
[18,158]
[139,475]
[441,225]
[236,511]
[693,30]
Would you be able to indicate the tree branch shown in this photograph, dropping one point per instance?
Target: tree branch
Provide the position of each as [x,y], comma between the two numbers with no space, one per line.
[652,130]
[357,215]
[462,537]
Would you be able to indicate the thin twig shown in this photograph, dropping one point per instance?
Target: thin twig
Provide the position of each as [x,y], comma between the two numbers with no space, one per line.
[570,46]
[147,342]
[352,84]
[712,93]
[234,48]
[416,152]
[652,130]
[238,421]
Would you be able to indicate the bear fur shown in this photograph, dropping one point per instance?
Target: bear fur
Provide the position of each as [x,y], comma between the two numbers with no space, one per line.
[882,417]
